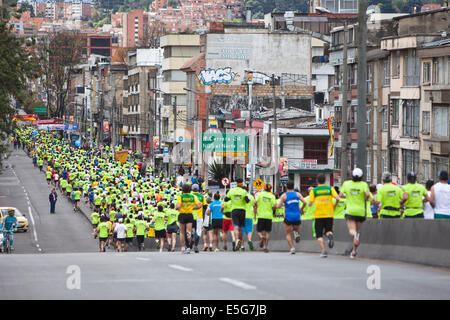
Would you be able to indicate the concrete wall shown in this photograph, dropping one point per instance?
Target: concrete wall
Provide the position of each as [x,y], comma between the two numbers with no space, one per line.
[413,241]
[260,52]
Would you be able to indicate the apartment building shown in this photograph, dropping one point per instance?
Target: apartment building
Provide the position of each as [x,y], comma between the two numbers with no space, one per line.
[178,49]
[407,108]
[134,27]
[139,109]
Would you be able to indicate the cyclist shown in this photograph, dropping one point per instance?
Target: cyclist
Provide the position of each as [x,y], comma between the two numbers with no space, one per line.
[8,226]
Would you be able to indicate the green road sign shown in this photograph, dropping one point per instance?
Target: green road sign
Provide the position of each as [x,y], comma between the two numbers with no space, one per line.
[40,110]
[219,142]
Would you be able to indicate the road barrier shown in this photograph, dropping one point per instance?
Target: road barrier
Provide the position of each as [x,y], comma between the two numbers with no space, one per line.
[418,241]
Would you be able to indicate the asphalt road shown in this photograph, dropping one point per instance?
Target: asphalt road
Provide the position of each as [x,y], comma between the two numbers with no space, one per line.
[24,187]
[59,259]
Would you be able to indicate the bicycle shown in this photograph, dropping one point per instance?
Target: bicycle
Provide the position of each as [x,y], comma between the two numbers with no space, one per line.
[7,242]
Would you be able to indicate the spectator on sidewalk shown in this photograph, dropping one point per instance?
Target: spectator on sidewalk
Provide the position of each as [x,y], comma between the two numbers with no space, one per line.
[53,197]
[440,197]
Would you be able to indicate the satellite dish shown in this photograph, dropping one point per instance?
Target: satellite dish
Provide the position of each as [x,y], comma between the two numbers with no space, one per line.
[373,9]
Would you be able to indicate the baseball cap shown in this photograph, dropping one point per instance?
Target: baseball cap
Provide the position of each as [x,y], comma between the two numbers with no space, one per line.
[357,172]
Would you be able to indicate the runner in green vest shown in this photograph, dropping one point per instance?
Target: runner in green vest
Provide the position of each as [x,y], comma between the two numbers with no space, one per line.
[389,196]
[413,195]
[357,193]
[264,212]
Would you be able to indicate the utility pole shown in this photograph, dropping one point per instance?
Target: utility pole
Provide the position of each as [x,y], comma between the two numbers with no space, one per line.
[362,74]
[277,173]
[343,130]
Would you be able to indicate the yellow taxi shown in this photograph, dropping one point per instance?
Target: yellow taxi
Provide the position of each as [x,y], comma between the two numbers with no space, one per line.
[21,219]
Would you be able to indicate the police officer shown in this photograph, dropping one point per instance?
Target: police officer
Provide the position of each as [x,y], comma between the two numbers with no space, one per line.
[389,196]
[413,195]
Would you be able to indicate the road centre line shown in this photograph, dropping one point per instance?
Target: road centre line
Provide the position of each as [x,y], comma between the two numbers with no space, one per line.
[238,283]
[181,268]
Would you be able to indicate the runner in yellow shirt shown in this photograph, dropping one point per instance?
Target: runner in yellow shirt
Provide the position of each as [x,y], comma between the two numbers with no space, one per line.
[322,196]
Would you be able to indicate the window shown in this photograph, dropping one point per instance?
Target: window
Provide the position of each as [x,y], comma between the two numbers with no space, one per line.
[337,158]
[412,69]
[387,73]
[439,70]
[394,161]
[439,164]
[369,78]
[316,149]
[426,76]
[395,112]
[385,118]
[396,64]
[411,118]
[440,121]
[384,164]
[410,162]
[425,170]
[426,122]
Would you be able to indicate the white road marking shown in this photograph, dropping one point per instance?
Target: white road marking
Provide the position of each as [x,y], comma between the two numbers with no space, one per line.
[181,268]
[143,259]
[34,226]
[238,283]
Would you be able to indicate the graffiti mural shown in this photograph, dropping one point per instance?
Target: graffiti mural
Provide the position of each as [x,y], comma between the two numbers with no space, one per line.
[214,76]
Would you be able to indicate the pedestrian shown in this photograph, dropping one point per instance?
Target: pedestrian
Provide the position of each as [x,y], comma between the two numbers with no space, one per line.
[159,219]
[389,196]
[374,206]
[322,196]
[414,195]
[440,197]
[356,192]
[53,197]
[428,211]
[292,215]
[216,216]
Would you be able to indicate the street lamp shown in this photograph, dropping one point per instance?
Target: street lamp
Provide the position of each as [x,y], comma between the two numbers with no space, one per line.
[100,92]
[198,139]
[174,121]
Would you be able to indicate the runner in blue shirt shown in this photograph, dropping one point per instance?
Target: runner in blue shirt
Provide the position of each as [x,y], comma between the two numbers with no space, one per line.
[217,218]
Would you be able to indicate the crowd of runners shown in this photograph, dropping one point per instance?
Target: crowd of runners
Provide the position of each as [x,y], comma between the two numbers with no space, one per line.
[130,202]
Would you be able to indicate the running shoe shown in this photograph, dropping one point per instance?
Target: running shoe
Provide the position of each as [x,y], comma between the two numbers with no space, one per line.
[225,248]
[188,250]
[297,236]
[250,245]
[234,245]
[330,241]
[266,250]
[323,255]
[292,250]
[356,240]
[353,255]
[211,249]
[205,248]
[242,249]
[217,250]
[261,243]
[238,244]
[196,249]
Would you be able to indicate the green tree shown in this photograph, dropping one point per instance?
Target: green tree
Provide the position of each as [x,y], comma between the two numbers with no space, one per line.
[18,64]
